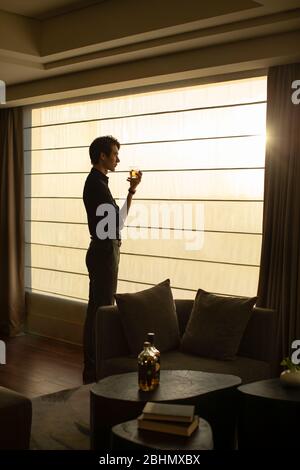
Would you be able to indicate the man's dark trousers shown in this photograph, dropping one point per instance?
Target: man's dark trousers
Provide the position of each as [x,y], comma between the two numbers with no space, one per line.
[102,261]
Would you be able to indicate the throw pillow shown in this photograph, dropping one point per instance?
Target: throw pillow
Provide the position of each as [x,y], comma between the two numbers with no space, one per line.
[216,325]
[151,310]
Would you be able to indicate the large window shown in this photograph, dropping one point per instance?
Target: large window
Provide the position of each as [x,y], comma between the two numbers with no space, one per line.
[197,215]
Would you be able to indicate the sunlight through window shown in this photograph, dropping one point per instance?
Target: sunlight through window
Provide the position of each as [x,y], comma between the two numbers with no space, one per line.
[202,152]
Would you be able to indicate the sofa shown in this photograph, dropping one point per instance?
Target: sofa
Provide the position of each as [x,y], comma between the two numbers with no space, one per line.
[254,361]
[15,418]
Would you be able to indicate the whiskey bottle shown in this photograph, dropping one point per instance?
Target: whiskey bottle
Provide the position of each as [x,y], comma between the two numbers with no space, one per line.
[147,368]
[150,339]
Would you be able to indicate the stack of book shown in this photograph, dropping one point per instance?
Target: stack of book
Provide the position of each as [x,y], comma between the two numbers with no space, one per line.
[169,418]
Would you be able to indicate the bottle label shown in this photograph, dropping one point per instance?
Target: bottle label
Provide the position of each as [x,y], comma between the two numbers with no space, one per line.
[146,376]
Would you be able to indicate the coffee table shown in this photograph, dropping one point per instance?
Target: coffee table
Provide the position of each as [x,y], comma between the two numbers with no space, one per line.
[116,399]
[268,416]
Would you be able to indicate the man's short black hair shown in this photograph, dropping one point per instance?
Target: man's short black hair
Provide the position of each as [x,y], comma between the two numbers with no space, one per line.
[102,144]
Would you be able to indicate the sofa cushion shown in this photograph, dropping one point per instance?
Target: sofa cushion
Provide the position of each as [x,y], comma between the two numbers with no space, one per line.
[151,310]
[249,370]
[216,325]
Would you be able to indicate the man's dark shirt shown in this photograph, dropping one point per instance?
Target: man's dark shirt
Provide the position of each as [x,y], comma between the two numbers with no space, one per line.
[96,192]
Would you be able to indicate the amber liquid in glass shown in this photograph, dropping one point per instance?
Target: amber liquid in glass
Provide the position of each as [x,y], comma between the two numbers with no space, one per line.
[147,362]
[133,173]
[150,339]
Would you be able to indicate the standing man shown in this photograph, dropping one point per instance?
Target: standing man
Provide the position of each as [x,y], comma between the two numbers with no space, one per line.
[105,221]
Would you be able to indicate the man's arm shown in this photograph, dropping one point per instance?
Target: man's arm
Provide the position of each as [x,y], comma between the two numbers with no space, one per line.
[134,182]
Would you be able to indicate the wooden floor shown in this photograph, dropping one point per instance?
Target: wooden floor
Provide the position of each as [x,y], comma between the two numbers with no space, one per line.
[38,366]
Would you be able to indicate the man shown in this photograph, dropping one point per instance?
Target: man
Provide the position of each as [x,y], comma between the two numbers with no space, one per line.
[105,221]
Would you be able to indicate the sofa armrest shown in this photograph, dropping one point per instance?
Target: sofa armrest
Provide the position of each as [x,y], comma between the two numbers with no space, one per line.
[15,418]
[258,341]
[110,338]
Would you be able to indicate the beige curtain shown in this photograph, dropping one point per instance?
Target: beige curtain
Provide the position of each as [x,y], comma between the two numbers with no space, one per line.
[12,304]
[279,281]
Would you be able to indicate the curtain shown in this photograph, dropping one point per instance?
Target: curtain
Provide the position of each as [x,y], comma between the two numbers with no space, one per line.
[12,295]
[279,281]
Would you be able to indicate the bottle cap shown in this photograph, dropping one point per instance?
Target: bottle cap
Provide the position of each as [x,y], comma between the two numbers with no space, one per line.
[146,344]
[150,337]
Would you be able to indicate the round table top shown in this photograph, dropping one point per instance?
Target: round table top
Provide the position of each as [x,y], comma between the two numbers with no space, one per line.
[272,389]
[174,385]
[201,439]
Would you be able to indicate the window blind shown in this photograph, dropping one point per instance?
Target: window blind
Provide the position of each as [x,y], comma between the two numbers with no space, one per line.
[197,215]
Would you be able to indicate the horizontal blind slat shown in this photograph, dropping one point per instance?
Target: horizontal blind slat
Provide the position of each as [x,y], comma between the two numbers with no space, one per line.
[242,152]
[217,94]
[205,246]
[224,184]
[219,215]
[223,278]
[191,124]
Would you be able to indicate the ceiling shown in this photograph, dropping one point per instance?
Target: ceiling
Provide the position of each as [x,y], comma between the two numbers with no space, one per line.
[42,9]
[44,43]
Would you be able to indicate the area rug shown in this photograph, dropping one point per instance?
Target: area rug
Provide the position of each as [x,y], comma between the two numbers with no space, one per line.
[60,421]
